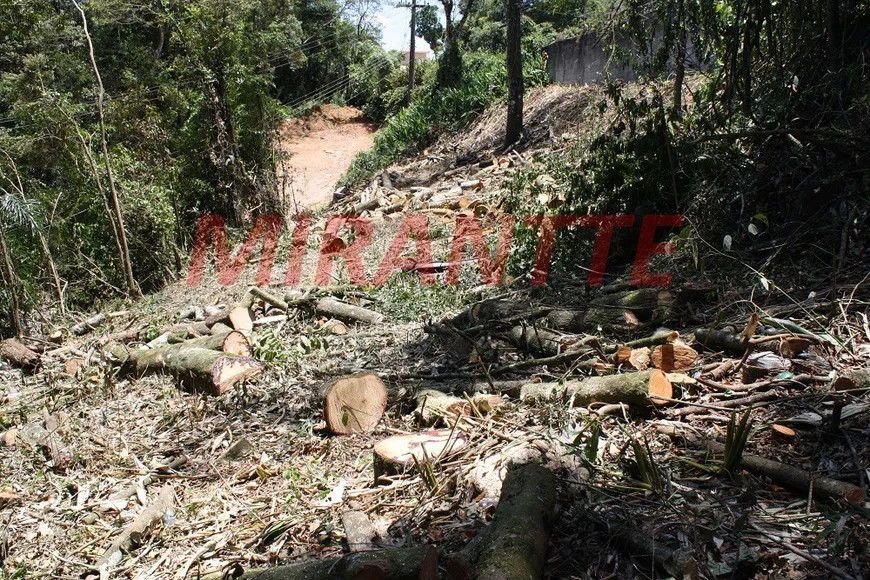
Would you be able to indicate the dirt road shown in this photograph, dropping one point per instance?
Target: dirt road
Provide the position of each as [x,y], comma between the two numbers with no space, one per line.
[321,148]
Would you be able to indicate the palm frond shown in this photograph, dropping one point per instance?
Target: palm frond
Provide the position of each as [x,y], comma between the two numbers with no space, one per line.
[18,211]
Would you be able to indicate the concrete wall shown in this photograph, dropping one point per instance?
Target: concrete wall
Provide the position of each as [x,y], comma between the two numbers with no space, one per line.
[586,59]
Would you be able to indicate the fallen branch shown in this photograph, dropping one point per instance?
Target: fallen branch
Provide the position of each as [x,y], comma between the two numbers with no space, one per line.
[514,546]
[780,473]
[133,533]
[417,563]
[677,563]
[326,306]
[728,342]
[88,325]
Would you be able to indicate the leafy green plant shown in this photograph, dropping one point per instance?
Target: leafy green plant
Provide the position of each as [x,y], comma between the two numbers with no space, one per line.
[647,468]
[735,440]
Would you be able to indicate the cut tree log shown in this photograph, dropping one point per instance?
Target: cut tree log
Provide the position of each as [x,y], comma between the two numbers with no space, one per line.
[639,388]
[18,355]
[242,319]
[223,338]
[354,404]
[802,481]
[514,546]
[343,310]
[133,533]
[798,479]
[395,455]
[200,368]
[674,356]
[728,342]
[329,307]
[648,305]
[416,563]
[434,405]
[235,343]
[86,326]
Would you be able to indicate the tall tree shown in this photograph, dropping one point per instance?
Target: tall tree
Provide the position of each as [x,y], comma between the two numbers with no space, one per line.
[127,264]
[450,63]
[515,73]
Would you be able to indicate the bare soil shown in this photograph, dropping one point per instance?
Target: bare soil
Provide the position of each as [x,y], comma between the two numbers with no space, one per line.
[319,149]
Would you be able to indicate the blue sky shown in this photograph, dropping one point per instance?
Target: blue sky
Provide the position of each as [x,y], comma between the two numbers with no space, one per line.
[396,26]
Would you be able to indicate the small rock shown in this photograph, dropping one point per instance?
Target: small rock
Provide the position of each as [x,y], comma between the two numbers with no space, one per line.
[238,450]
[90,518]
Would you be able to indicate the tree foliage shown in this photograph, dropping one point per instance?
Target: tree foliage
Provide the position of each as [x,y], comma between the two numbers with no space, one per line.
[194,92]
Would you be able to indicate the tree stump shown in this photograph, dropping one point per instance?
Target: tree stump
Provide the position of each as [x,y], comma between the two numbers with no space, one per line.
[397,454]
[354,404]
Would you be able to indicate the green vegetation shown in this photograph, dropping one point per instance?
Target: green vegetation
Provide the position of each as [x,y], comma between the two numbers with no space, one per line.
[193,96]
[121,124]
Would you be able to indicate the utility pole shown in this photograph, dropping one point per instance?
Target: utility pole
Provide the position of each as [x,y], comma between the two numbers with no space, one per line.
[411,59]
[413,56]
[514,128]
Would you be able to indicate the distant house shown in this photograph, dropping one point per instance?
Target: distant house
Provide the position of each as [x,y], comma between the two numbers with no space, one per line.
[419,55]
[587,59]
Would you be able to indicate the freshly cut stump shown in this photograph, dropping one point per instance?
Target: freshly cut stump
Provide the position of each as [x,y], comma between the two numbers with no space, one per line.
[354,404]
[237,344]
[782,432]
[675,356]
[396,454]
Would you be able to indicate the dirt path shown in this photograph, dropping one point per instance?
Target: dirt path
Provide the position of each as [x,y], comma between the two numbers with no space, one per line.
[320,150]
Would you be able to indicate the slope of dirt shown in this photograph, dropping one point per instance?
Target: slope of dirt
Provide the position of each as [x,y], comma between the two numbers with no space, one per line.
[317,151]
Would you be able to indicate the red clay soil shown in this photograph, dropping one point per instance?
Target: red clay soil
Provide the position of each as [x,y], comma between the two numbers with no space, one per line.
[320,148]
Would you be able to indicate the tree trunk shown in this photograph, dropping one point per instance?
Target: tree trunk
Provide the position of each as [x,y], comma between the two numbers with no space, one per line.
[132,287]
[680,64]
[514,546]
[835,36]
[514,128]
[10,278]
[197,367]
[412,61]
